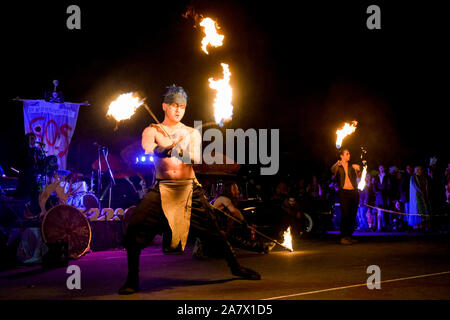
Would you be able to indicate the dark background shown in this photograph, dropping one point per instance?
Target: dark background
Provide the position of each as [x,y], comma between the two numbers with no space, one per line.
[302,67]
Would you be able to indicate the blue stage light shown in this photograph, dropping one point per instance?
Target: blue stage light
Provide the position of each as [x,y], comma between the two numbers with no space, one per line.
[151,158]
[143,159]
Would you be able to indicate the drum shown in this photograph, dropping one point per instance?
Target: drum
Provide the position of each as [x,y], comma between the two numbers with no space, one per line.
[84,201]
[64,222]
[76,187]
[80,187]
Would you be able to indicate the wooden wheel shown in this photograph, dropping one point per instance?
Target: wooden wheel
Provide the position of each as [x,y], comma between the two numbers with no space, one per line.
[69,224]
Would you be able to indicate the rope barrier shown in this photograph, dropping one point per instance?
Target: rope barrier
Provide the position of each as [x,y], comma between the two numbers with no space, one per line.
[406,214]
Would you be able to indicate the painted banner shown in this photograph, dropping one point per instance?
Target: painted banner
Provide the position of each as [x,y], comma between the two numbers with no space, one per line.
[53,124]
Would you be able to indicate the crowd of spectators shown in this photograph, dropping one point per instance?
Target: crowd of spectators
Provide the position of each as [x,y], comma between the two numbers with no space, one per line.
[412,198]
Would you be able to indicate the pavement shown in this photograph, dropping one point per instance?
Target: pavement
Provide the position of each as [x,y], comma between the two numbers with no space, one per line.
[412,267]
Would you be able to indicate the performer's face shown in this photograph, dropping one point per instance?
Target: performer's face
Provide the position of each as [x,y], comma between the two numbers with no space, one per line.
[291,202]
[345,156]
[418,171]
[174,111]
[409,169]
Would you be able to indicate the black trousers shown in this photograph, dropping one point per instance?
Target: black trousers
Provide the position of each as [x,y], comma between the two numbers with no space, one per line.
[349,200]
[148,220]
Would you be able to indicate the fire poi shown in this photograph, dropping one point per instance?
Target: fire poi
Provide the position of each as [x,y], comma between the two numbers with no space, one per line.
[125,106]
[211,38]
[287,239]
[223,109]
[345,131]
[362,182]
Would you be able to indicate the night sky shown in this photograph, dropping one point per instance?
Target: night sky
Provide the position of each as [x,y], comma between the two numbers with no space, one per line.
[296,66]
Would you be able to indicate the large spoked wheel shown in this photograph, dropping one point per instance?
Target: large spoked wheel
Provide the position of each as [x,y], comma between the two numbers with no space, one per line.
[64,222]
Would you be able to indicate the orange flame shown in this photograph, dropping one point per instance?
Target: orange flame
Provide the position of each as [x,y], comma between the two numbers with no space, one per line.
[211,36]
[345,131]
[223,109]
[124,106]
[287,242]
[362,182]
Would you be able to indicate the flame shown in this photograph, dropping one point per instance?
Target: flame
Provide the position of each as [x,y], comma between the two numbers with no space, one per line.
[211,36]
[223,109]
[124,106]
[345,131]
[362,182]
[287,242]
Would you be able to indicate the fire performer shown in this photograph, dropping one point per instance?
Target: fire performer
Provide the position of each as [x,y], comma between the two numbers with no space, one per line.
[346,174]
[175,204]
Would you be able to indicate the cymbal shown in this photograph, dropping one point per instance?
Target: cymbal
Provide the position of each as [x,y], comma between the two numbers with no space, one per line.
[62,172]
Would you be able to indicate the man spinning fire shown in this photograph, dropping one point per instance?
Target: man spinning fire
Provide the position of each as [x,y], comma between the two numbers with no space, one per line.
[346,174]
[176,204]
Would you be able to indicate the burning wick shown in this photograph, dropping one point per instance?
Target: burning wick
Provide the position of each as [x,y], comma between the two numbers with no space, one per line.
[287,242]
[223,109]
[345,131]
[124,107]
[362,182]
[211,36]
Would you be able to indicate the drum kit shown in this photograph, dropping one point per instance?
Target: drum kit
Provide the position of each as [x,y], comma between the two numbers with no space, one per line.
[70,221]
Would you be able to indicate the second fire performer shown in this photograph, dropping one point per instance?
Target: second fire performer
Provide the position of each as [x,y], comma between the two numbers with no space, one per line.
[346,173]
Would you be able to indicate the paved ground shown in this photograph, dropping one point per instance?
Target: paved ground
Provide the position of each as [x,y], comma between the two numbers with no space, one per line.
[412,267]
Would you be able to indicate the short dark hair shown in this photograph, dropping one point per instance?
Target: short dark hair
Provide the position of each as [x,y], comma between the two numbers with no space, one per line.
[342,150]
[226,191]
[174,93]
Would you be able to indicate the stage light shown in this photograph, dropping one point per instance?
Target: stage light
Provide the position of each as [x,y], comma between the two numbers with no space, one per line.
[137,159]
[151,158]
[143,159]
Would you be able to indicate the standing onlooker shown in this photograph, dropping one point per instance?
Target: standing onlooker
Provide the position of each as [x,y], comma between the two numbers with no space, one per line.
[394,177]
[314,189]
[30,159]
[435,192]
[446,183]
[404,187]
[381,188]
[418,199]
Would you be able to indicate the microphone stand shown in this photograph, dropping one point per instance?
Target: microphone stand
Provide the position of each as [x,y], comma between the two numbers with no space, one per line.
[99,171]
[112,181]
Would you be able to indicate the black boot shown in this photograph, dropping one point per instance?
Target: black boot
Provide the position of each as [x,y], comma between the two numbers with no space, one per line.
[132,284]
[245,273]
[235,267]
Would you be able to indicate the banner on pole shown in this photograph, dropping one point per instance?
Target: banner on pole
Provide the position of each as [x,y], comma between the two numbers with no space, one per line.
[53,124]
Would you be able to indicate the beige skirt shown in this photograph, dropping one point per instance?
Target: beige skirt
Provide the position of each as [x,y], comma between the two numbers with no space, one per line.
[176,202]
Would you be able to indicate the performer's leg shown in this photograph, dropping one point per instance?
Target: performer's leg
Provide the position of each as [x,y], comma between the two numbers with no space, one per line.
[146,221]
[353,211]
[345,213]
[204,224]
